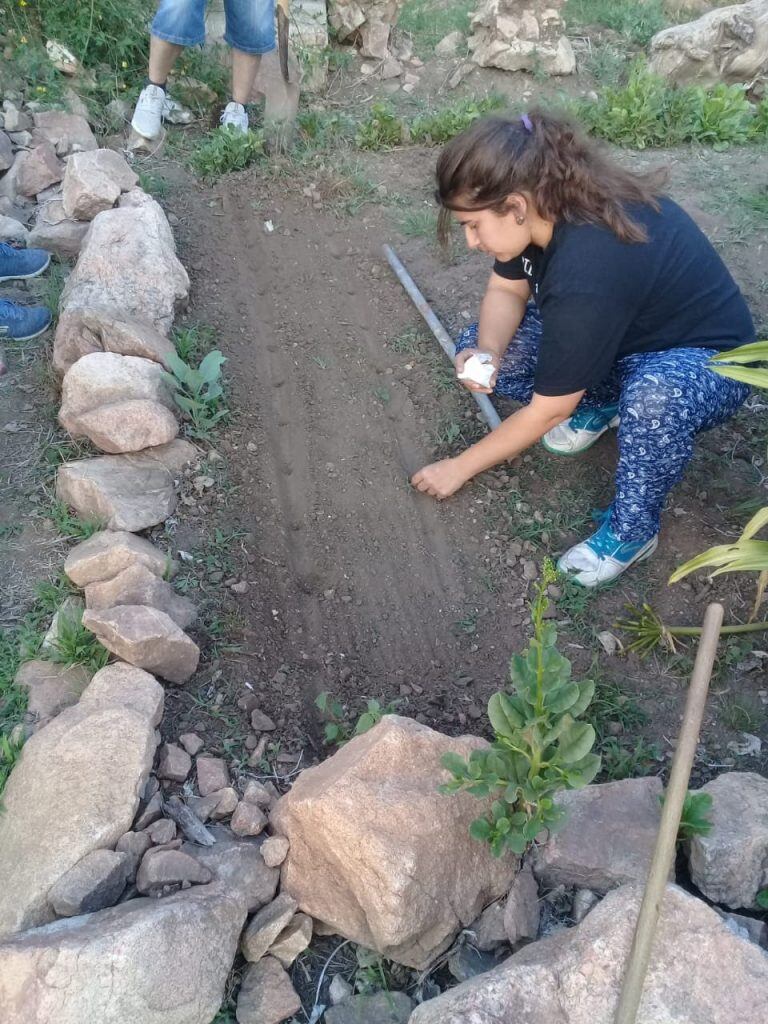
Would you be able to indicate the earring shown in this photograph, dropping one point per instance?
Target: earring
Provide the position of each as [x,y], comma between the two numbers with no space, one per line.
[520,220]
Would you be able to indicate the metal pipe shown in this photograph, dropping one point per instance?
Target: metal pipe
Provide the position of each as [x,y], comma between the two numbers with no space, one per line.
[666,841]
[487,411]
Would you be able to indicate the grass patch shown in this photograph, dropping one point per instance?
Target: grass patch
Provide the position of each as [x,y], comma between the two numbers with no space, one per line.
[193,341]
[436,127]
[76,645]
[428,21]
[612,710]
[381,129]
[52,286]
[421,223]
[741,714]
[624,762]
[649,112]
[607,65]
[155,184]
[756,202]
[637,22]
[68,524]
[226,150]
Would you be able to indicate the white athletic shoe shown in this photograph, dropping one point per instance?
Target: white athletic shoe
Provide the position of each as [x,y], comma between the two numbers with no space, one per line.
[235,116]
[602,557]
[148,115]
[573,436]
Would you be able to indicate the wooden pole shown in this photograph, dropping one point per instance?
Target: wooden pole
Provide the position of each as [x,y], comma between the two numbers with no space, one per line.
[666,841]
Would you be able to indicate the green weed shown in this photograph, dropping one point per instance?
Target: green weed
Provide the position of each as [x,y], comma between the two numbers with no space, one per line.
[441,125]
[198,392]
[69,525]
[192,342]
[226,150]
[155,184]
[56,450]
[649,112]
[10,751]
[338,728]
[607,65]
[421,223]
[762,899]
[756,202]
[695,819]
[623,762]
[322,129]
[76,645]
[202,65]
[408,343]
[52,286]
[428,21]
[741,714]
[381,129]
[637,21]
[611,709]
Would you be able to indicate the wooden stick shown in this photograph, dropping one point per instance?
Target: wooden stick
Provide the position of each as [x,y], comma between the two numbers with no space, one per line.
[666,841]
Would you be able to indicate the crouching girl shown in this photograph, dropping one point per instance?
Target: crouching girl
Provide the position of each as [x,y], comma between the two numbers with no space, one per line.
[630,300]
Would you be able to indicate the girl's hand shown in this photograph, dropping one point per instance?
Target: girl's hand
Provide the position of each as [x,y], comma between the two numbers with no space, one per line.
[440,479]
[461,359]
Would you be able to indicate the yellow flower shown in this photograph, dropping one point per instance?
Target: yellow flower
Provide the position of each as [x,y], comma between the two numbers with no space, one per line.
[123,63]
[23,39]
[22,3]
[40,88]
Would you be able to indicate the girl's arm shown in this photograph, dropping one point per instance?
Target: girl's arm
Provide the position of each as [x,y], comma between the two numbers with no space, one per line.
[522,429]
[501,313]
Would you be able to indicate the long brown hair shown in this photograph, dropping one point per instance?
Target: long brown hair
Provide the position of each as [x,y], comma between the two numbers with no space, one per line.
[548,157]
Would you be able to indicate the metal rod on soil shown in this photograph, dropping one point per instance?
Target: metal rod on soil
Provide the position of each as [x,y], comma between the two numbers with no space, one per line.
[666,841]
[487,411]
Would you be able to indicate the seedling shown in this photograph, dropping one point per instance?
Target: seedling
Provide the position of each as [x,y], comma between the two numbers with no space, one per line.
[695,819]
[540,747]
[338,729]
[198,392]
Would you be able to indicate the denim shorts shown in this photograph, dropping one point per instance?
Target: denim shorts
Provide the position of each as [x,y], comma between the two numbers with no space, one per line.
[250,24]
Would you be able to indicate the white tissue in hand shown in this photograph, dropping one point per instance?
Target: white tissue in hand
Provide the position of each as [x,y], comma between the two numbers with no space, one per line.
[478,368]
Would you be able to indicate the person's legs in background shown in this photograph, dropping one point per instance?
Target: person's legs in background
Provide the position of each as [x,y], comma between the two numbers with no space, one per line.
[250,32]
[17,322]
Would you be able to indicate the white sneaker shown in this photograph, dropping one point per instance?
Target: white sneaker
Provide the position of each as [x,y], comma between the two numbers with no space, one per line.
[576,435]
[235,116]
[148,115]
[602,557]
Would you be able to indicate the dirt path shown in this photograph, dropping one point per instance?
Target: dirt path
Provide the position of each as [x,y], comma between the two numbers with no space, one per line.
[360,582]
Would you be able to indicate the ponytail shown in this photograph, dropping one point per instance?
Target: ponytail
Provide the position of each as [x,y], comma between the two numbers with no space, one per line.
[567,177]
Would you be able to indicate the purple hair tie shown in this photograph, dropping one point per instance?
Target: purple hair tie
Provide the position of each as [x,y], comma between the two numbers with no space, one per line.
[527,123]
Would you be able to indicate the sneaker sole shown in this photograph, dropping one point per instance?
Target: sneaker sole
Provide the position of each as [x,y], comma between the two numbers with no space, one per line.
[641,556]
[578,451]
[29,337]
[27,277]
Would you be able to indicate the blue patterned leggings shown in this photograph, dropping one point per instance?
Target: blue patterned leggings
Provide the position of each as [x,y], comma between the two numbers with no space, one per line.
[664,399]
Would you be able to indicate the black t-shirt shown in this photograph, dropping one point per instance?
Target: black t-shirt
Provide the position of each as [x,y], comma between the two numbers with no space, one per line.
[602,299]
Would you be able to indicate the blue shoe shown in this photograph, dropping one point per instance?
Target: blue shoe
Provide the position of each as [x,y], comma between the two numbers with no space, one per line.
[602,557]
[20,264]
[23,322]
[573,436]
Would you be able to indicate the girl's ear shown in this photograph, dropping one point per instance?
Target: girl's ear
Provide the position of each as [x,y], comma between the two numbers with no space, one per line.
[517,205]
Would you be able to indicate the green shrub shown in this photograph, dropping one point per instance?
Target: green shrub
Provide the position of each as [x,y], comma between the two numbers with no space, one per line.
[441,125]
[638,21]
[429,21]
[649,112]
[540,747]
[382,129]
[227,150]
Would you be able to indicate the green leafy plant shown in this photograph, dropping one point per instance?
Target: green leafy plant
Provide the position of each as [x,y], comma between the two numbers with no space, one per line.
[648,631]
[762,899]
[540,747]
[621,761]
[226,150]
[429,21]
[382,129]
[70,525]
[745,554]
[10,750]
[338,729]
[440,126]
[638,22]
[76,645]
[193,341]
[198,392]
[695,819]
[648,112]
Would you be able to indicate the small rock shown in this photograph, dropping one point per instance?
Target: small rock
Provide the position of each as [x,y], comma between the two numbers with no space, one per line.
[266,995]
[256,793]
[175,763]
[93,182]
[134,845]
[67,132]
[36,169]
[261,722]
[274,850]
[521,916]
[248,819]
[292,940]
[6,152]
[105,554]
[147,638]
[212,775]
[265,927]
[489,927]
[192,743]
[169,867]
[226,803]
[339,990]
[449,45]
[138,585]
[239,588]
[238,865]
[152,810]
[583,901]
[94,883]
[467,962]
[162,831]
[12,230]
[379,1008]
